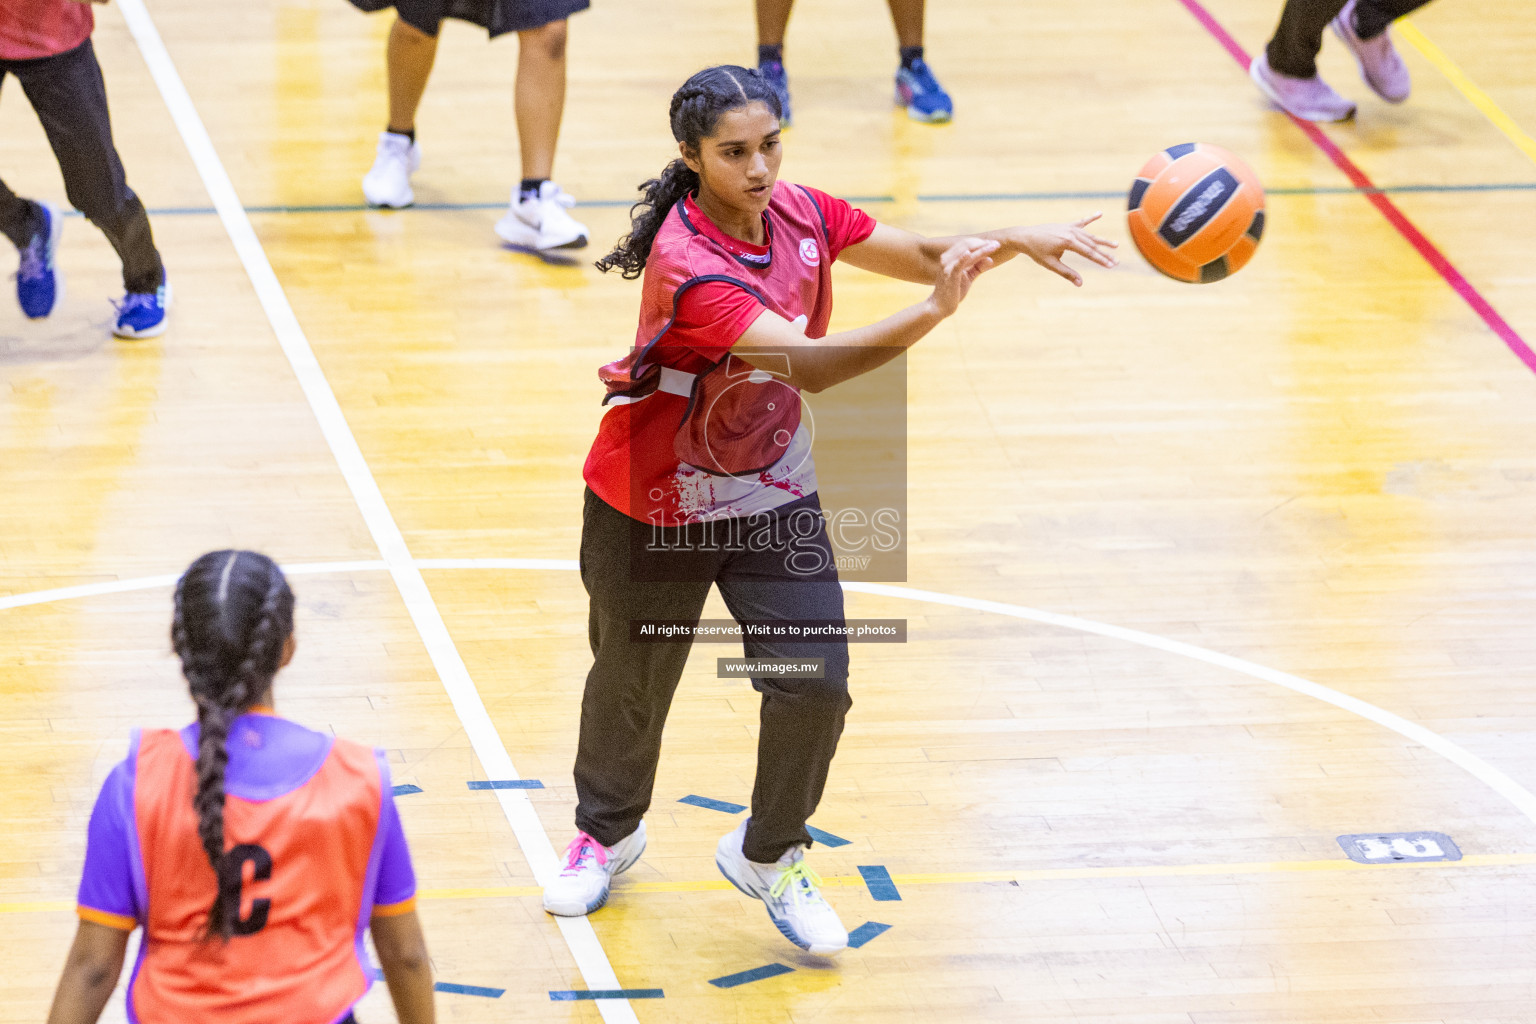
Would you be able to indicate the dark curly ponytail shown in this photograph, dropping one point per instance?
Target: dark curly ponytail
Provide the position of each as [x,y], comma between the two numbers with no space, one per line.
[234,613]
[696,108]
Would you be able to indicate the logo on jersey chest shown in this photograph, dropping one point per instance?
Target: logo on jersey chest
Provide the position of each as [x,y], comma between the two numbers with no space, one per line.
[810,252]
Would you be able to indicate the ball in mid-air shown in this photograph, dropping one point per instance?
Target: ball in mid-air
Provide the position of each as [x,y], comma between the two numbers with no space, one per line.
[1196,212]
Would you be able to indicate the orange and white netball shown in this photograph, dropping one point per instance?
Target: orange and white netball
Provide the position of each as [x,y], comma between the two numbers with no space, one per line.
[1196,212]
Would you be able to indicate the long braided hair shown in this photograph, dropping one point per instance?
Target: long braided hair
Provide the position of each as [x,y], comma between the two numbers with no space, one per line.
[234,614]
[696,109]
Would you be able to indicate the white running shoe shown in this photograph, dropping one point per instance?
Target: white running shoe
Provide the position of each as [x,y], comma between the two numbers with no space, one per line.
[542,223]
[388,182]
[1310,99]
[1380,65]
[789,889]
[582,885]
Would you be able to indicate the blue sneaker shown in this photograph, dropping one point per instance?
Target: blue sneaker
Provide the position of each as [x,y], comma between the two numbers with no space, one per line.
[142,314]
[922,95]
[38,282]
[778,79]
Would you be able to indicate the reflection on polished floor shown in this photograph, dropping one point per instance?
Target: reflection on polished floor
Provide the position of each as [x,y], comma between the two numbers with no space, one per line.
[1322,469]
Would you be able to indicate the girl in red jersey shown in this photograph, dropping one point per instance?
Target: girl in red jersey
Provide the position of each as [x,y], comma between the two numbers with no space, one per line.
[251,850]
[697,479]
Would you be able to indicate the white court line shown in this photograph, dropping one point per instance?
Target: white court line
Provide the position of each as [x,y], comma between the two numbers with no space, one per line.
[1502,784]
[591,960]
[1522,798]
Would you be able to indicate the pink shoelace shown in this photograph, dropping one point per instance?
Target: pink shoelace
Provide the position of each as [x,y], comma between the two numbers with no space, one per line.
[578,851]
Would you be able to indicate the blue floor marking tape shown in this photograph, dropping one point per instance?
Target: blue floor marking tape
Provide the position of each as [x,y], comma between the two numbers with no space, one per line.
[866,931]
[505,784]
[573,995]
[755,974]
[826,838]
[983,197]
[450,987]
[468,990]
[713,805]
[879,881]
[406,790]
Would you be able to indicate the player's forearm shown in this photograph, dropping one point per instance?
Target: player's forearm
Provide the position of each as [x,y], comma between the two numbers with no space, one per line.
[90,975]
[847,354]
[1008,247]
[410,988]
[402,950]
[82,995]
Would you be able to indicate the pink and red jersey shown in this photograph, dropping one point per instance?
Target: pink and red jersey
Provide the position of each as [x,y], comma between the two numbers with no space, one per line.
[310,822]
[30,29]
[654,458]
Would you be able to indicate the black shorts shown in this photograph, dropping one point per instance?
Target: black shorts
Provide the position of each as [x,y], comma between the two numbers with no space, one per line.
[497,17]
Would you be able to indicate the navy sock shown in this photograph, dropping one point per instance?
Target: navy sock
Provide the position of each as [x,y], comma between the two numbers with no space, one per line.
[770,54]
[910,55]
[529,189]
[409,133]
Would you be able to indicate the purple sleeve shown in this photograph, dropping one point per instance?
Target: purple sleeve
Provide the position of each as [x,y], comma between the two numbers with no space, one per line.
[397,880]
[106,885]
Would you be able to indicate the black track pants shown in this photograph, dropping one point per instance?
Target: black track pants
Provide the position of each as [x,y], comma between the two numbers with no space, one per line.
[776,568]
[70,99]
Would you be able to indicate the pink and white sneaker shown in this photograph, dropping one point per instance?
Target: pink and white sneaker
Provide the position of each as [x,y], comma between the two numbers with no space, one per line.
[582,885]
[1380,65]
[1310,99]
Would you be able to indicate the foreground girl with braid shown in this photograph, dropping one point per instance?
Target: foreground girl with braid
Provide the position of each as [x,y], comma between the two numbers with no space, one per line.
[251,850]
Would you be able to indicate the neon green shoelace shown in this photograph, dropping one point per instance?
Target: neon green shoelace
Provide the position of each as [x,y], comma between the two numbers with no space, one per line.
[799,871]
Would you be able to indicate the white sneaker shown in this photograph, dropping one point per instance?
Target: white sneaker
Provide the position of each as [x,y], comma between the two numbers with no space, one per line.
[582,885]
[1380,65]
[1310,99]
[542,223]
[388,183]
[789,889]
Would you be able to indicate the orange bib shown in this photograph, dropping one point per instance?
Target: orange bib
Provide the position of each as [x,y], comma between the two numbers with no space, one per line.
[297,953]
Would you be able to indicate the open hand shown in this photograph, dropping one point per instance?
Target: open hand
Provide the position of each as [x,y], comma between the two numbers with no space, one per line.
[1046,244]
[958,267]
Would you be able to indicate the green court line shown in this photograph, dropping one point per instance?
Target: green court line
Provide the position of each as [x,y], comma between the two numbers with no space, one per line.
[939,197]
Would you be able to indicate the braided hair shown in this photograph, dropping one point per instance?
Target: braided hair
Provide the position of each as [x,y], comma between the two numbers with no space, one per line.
[696,109]
[234,614]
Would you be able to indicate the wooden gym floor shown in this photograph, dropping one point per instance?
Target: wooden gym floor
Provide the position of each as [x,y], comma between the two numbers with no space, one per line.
[1322,469]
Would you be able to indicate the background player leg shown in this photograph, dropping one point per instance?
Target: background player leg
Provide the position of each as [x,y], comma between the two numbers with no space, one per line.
[34,229]
[1362,26]
[772,20]
[537,217]
[1286,70]
[70,98]
[916,87]
[408,59]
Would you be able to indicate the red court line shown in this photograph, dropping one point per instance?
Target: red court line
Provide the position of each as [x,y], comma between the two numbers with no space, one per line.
[1405,227]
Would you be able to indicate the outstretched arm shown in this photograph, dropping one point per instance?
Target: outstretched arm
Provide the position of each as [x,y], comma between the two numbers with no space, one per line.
[894,252]
[402,953]
[817,364]
[90,974]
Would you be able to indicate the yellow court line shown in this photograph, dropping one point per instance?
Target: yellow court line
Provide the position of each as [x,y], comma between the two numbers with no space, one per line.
[1476,860]
[36,907]
[1468,88]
